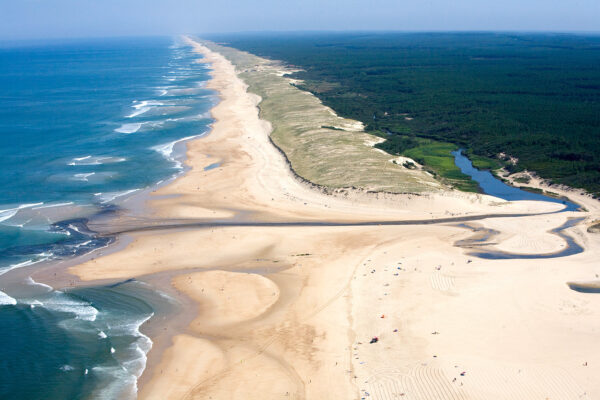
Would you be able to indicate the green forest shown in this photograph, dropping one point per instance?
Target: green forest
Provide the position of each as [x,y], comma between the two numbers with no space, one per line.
[535,97]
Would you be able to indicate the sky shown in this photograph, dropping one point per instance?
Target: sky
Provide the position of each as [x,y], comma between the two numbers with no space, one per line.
[36,19]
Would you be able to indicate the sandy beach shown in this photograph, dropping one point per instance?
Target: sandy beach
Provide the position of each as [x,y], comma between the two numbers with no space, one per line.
[291,311]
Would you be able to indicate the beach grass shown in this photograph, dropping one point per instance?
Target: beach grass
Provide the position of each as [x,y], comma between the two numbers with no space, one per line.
[322,147]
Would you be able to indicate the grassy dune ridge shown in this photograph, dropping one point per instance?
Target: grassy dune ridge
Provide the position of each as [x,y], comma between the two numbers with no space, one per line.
[321,147]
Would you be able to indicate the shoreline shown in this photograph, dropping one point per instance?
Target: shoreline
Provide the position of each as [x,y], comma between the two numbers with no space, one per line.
[128,204]
[254,183]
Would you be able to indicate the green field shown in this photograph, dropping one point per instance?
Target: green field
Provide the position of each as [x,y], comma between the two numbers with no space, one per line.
[435,156]
[535,97]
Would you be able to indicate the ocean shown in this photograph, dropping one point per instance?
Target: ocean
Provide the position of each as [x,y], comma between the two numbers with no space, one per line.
[83,125]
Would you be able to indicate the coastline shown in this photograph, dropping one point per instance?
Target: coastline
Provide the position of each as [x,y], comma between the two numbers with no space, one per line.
[259,296]
[68,301]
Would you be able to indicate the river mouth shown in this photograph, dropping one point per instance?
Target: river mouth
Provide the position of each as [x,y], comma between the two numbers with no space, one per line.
[493,186]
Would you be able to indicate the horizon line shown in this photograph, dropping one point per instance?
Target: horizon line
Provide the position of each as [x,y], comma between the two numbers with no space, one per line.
[7,41]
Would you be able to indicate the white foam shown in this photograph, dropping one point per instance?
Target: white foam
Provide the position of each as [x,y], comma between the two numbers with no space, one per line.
[132,362]
[11,212]
[83,177]
[73,227]
[142,347]
[44,257]
[31,282]
[119,385]
[156,124]
[198,117]
[8,214]
[66,368]
[83,244]
[136,365]
[167,149]
[129,128]
[184,91]
[139,111]
[143,107]
[6,300]
[62,303]
[102,335]
[23,264]
[110,196]
[21,225]
[68,203]
[96,160]
[132,328]
[32,303]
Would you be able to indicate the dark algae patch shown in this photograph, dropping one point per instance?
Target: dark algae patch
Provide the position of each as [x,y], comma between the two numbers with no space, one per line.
[534,97]
[594,228]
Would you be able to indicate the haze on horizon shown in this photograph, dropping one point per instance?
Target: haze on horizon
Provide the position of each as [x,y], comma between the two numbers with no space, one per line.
[35,19]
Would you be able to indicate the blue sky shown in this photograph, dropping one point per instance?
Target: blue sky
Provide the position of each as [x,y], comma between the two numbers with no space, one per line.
[31,19]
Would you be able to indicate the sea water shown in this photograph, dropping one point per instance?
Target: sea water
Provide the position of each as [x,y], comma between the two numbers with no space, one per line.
[83,124]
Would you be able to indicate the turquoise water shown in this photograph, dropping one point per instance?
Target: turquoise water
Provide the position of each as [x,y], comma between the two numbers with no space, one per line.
[83,125]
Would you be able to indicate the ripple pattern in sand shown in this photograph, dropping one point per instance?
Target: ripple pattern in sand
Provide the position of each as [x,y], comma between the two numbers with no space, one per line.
[442,282]
[421,383]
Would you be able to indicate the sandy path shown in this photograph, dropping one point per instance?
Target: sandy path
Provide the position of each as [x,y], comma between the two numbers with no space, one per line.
[288,312]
